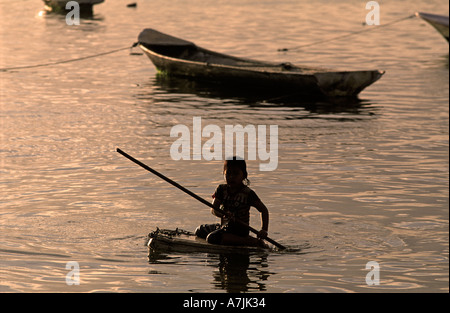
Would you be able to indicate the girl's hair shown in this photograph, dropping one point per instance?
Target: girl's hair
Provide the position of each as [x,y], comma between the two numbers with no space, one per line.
[239,163]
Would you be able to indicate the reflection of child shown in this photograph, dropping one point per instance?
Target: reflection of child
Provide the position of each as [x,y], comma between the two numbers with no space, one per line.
[235,198]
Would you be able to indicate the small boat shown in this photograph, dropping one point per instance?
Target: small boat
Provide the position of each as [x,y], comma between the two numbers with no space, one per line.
[440,22]
[59,6]
[178,240]
[178,57]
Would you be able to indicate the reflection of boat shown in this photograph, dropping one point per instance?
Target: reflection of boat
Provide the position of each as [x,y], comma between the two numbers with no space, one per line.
[164,240]
[440,22]
[173,87]
[59,6]
[233,274]
[178,57]
[231,269]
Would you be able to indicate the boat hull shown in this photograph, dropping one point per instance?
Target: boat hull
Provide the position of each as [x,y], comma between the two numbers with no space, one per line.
[178,57]
[164,241]
[439,22]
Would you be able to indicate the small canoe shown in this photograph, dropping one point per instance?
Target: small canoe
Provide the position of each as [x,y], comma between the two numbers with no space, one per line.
[178,240]
[440,22]
[59,6]
[177,57]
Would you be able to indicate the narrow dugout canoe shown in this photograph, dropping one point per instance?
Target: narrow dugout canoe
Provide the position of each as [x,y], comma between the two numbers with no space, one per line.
[178,57]
[178,240]
[440,22]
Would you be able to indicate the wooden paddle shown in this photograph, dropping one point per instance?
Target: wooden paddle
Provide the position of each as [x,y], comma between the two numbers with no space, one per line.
[194,195]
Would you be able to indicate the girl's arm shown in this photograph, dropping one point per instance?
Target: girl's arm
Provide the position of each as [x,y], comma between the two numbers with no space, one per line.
[264,218]
[216,203]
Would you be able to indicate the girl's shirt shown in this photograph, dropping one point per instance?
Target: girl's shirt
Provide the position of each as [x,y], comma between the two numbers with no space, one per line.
[239,204]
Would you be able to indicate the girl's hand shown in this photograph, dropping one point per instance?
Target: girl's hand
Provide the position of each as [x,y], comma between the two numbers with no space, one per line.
[230,216]
[217,213]
[262,234]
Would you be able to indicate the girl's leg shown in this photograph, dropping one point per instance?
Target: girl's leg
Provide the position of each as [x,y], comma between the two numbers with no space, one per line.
[204,230]
[235,240]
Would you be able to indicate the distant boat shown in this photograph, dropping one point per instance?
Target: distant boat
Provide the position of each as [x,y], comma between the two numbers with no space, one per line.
[59,6]
[178,57]
[440,22]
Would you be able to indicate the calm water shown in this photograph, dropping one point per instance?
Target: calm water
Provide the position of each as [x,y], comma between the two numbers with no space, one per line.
[356,182]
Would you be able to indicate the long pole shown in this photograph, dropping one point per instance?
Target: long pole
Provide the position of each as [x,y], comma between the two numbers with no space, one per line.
[170,181]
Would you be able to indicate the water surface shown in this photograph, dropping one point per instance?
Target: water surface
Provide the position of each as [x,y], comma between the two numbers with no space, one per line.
[356,181]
